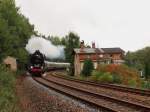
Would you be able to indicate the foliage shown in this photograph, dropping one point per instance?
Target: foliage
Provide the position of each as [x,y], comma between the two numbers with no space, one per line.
[95,75]
[72,41]
[15,30]
[8,99]
[147,69]
[87,67]
[132,82]
[106,78]
[145,84]
[116,79]
[124,73]
[140,60]
[55,40]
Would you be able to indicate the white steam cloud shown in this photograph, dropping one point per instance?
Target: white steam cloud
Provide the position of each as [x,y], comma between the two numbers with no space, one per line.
[46,47]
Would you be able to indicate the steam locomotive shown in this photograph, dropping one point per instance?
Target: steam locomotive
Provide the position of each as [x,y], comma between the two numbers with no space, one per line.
[36,63]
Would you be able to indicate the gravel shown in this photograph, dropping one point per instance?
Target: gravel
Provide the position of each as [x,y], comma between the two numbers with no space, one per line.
[37,98]
[145,100]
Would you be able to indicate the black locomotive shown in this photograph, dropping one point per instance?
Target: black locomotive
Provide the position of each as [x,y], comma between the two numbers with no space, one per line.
[36,63]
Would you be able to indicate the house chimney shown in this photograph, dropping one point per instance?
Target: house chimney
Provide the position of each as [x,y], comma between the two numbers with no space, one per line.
[82,45]
[93,44]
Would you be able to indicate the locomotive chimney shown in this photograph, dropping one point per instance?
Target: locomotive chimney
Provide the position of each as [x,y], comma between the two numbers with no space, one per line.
[93,44]
[82,46]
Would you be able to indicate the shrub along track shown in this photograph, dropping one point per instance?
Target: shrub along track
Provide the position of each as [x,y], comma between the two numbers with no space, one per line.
[109,86]
[108,99]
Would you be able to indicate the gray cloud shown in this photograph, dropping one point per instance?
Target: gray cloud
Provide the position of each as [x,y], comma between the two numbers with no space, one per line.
[110,23]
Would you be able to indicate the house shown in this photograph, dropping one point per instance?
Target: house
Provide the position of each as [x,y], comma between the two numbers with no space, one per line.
[97,55]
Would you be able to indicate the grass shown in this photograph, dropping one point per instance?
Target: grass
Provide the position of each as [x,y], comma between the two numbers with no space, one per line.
[8,98]
[145,84]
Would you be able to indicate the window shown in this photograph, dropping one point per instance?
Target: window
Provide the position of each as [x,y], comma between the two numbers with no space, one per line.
[88,56]
[101,56]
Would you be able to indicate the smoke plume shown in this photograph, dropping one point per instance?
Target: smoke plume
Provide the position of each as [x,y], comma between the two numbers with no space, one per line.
[46,47]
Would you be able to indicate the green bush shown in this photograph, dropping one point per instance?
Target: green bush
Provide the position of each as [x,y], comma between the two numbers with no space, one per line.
[106,78]
[123,71]
[87,68]
[95,75]
[8,99]
[81,77]
[132,83]
[146,84]
[116,79]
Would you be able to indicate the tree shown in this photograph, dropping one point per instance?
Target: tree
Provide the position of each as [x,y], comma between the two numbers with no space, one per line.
[140,60]
[72,41]
[147,62]
[55,40]
[15,30]
[64,41]
[87,67]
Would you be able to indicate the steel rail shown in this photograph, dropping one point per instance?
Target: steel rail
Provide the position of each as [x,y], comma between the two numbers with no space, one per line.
[110,86]
[129,103]
[75,96]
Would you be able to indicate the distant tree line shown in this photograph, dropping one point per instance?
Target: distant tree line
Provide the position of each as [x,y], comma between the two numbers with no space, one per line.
[140,60]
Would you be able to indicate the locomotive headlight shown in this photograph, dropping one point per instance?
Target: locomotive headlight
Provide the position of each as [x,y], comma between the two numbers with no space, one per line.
[31,67]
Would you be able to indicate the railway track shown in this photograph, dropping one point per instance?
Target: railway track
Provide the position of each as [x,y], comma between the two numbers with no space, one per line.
[110,86]
[106,102]
[80,95]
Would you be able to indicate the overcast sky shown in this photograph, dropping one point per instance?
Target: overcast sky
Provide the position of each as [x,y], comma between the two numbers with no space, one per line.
[110,23]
